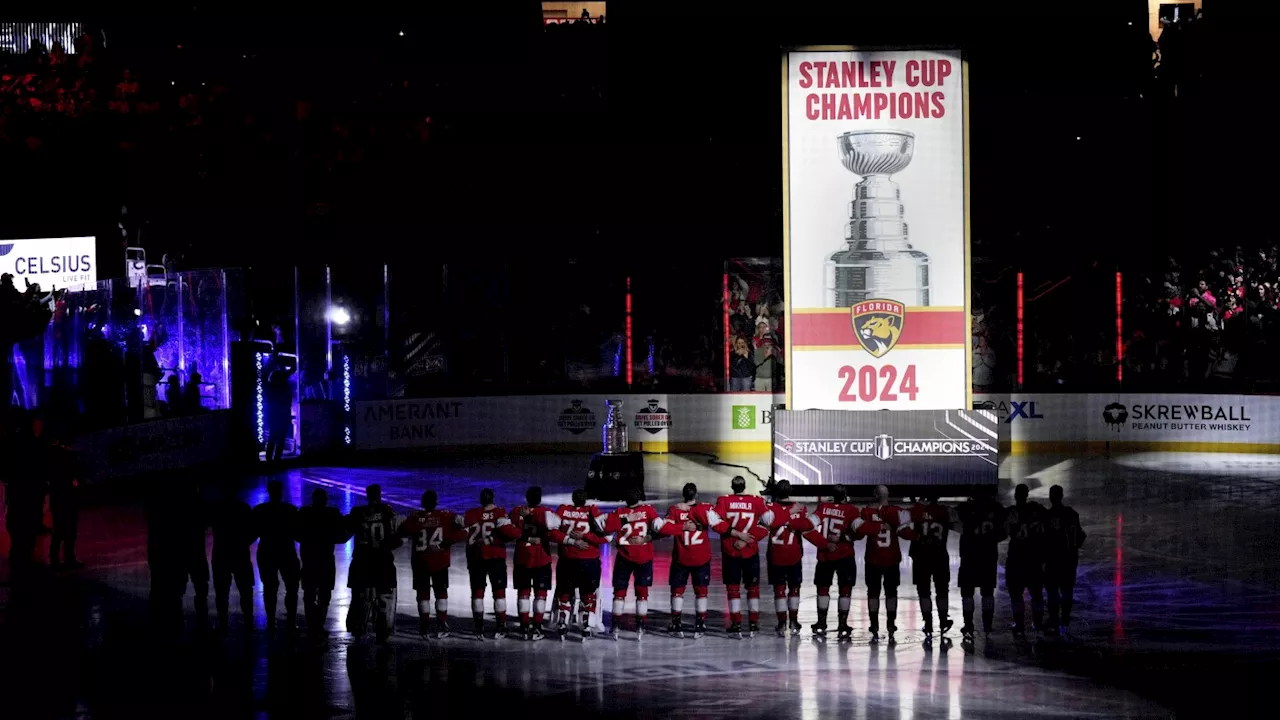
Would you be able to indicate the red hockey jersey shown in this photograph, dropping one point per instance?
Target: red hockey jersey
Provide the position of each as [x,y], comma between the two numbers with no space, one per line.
[881,526]
[743,513]
[834,523]
[632,525]
[432,532]
[692,547]
[788,522]
[480,523]
[583,522]
[533,529]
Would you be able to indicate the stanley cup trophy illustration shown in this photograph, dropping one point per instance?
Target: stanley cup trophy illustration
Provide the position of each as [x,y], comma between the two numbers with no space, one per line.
[878,261]
[615,430]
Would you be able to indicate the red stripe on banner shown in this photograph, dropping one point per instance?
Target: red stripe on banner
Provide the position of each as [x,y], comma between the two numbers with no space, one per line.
[945,327]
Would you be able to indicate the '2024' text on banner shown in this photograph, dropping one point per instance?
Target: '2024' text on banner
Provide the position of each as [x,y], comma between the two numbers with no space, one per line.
[876,249]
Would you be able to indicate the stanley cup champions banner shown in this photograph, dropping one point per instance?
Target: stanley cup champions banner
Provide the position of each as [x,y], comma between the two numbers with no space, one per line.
[921,447]
[875,215]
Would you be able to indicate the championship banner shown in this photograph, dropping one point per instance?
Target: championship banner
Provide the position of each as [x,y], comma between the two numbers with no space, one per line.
[875,216]
[916,447]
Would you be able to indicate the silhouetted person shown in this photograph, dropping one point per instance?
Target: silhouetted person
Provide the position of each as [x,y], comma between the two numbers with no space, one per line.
[372,575]
[64,504]
[193,519]
[320,527]
[233,534]
[24,497]
[277,522]
[191,392]
[175,552]
[160,562]
[1024,564]
[982,530]
[173,395]
[1063,538]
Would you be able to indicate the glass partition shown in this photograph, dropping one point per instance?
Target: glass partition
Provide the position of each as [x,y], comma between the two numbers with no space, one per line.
[126,350]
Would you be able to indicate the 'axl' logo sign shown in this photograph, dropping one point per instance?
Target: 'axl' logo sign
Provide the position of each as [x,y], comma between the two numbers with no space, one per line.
[1026,410]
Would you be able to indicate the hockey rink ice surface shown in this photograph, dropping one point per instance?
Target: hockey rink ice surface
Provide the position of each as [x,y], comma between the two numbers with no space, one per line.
[1176,604]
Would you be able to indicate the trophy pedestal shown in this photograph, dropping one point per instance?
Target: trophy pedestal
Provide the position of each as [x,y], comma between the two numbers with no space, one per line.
[610,476]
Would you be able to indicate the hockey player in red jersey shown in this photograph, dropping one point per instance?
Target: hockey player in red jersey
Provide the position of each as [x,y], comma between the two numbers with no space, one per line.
[690,523]
[931,523]
[740,558]
[533,528]
[432,533]
[634,525]
[486,560]
[836,522]
[579,566]
[881,524]
[788,522]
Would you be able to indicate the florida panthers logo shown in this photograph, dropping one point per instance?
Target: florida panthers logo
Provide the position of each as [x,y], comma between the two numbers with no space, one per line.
[878,325]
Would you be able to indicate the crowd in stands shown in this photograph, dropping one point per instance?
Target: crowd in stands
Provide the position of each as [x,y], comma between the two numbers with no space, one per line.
[1204,321]
[1200,322]
[756,310]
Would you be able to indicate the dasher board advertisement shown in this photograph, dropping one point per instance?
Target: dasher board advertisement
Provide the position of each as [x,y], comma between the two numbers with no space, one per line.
[875,217]
[912,447]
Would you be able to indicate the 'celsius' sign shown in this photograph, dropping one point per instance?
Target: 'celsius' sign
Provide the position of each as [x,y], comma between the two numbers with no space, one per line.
[50,262]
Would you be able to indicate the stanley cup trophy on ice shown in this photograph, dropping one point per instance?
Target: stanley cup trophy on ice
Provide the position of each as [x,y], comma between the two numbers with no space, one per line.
[615,470]
[615,430]
[878,261]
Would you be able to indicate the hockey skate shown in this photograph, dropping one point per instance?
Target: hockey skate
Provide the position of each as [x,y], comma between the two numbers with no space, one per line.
[677,629]
[795,628]
[699,629]
[753,629]
[944,625]
[735,630]
[819,630]
[844,633]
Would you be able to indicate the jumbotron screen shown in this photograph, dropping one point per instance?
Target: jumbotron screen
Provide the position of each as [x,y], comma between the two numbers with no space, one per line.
[889,447]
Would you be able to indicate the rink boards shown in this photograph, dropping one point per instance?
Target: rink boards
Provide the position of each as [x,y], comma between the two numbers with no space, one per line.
[742,422]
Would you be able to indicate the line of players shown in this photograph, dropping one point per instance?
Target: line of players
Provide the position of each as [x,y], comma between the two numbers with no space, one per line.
[1043,551]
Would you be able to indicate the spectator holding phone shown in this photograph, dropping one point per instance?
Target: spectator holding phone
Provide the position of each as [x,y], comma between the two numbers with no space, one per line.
[742,367]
